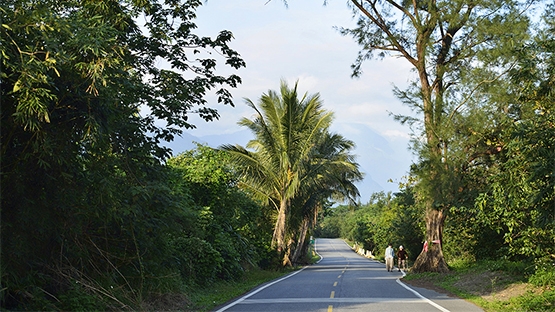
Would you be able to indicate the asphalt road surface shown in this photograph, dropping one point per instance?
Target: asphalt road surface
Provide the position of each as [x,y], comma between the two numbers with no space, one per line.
[344,281]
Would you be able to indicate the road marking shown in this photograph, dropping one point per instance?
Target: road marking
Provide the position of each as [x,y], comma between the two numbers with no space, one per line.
[334,284]
[245,300]
[332,294]
[258,290]
[316,251]
[419,295]
[339,276]
[334,300]
[268,285]
[423,298]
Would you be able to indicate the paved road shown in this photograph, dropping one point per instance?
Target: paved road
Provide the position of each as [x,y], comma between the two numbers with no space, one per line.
[344,281]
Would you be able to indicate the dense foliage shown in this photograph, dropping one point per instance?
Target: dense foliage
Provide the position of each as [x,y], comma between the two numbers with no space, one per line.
[455,47]
[92,217]
[384,219]
[237,227]
[96,215]
[520,198]
[500,155]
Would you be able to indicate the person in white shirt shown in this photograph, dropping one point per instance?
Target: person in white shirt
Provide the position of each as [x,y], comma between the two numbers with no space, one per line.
[389,254]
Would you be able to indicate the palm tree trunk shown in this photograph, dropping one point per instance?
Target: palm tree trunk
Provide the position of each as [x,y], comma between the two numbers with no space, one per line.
[301,241]
[278,239]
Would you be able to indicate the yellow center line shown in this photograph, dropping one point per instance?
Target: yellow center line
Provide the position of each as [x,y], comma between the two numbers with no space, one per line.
[330,308]
[339,276]
[334,284]
[332,294]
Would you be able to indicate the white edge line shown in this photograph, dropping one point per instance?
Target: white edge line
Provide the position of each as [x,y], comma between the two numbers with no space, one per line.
[419,295]
[422,297]
[288,276]
[316,251]
[259,289]
[265,286]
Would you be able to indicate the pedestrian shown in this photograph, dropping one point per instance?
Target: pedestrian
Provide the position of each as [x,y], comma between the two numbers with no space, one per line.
[389,254]
[402,258]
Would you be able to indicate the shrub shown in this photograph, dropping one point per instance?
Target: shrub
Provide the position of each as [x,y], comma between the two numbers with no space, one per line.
[196,260]
[76,299]
[544,274]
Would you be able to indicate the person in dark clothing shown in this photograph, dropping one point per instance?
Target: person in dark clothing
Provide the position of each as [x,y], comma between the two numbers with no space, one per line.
[402,259]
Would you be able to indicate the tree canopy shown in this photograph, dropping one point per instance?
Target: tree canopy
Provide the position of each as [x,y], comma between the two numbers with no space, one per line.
[445,42]
[294,163]
[84,109]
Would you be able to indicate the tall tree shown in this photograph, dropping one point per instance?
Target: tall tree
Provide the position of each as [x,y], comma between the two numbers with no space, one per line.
[287,155]
[83,98]
[331,172]
[441,40]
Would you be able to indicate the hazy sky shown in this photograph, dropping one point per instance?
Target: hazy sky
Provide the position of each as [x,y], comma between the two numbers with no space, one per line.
[299,42]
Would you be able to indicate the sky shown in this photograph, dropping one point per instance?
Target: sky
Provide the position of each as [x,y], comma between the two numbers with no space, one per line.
[299,43]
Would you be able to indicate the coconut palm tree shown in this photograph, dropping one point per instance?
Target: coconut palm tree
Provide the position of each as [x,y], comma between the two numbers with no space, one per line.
[331,173]
[285,159]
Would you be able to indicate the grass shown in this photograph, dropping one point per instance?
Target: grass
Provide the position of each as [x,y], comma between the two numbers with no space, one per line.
[206,299]
[492,285]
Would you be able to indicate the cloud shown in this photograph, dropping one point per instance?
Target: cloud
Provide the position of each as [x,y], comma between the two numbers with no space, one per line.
[364,110]
[300,43]
[396,134]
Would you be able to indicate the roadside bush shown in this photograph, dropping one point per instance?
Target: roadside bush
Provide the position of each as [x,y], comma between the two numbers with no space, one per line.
[534,302]
[76,299]
[544,274]
[228,219]
[519,268]
[461,263]
[543,277]
[328,228]
[227,246]
[196,260]
[270,260]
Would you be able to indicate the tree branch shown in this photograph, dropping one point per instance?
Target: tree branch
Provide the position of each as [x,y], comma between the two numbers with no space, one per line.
[380,23]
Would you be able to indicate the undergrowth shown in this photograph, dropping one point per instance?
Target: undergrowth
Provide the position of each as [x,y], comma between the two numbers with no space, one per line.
[491,278]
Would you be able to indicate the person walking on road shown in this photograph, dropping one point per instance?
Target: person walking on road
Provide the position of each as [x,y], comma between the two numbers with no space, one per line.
[389,254]
[401,259]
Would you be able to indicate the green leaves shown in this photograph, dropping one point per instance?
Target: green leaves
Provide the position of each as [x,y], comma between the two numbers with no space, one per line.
[483,89]
[294,164]
[82,168]
[521,195]
[226,218]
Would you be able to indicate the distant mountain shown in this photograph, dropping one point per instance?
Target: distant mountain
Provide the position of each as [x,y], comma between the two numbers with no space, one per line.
[187,141]
[183,143]
[380,158]
[241,137]
[383,160]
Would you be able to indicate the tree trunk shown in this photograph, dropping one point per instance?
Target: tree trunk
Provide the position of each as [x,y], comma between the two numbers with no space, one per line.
[300,242]
[431,258]
[286,261]
[278,239]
